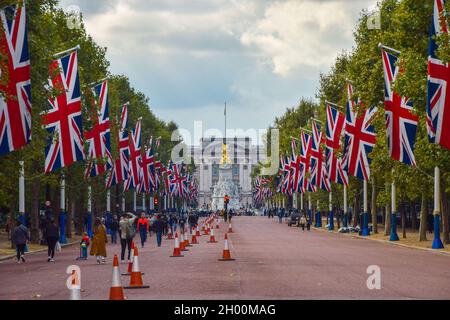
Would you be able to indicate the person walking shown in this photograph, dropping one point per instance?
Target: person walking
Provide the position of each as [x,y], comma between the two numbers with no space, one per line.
[99,241]
[114,229]
[20,237]
[280,216]
[158,229]
[51,233]
[192,221]
[127,233]
[143,228]
[303,222]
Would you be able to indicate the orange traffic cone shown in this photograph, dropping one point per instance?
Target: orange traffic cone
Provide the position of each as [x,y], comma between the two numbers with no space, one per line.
[182,242]
[186,238]
[116,291]
[136,275]
[176,250]
[217,224]
[197,233]
[193,237]
[230,229]
[212,238]
[169,234]
[130,263]
[226,251]
[206,231]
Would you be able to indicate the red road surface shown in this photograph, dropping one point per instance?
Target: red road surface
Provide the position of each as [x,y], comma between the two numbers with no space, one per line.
[272,262]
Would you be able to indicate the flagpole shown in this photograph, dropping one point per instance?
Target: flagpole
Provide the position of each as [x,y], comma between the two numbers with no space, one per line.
[381,46]
[62,214]
[334,104]
[123,203]
[365,222]
[134,202]
[318,216]
[78,47]
[331,217]
[89,213]
[108,211]
[21,192]
[309,208]
[144,206]
[394,235]
[345,207]
[437,242]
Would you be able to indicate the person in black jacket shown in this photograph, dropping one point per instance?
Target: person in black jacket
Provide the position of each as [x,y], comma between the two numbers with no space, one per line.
[114,227]
[20,237]
[51,233]
[158,229]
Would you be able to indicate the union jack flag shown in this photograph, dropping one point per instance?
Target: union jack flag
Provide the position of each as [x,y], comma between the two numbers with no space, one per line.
[146,181]
[305,160]
[177,180]
[119,172]
[15,93]
[99,137]
[334,166]
[135,158]
[158,142]
[63,121]
[360,138]
[295,173]
[165,173]
[401,123]
[319,178]
[438,107]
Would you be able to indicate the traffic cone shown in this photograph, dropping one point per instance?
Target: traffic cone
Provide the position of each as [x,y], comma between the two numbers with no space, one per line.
[130,263]
[183,243]
[206,231]
[217,224]
[186,238]
[212,238]
[169,234]
[197,233]
[75,291]
[136,275]
[226,251]
[230,229]
[116,291]
[193,237]
[176,250]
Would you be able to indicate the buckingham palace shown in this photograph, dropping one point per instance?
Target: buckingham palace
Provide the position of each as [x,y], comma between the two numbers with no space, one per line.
[244,156]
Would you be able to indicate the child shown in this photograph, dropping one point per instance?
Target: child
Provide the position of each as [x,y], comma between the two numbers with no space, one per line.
[84,246]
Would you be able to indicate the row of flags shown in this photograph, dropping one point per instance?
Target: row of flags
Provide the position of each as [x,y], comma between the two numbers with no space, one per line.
[310,168]
[135,166]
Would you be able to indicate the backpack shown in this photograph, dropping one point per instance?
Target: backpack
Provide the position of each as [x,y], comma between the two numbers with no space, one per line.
[130,231]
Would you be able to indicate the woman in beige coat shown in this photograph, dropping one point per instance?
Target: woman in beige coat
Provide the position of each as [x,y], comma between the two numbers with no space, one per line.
[99,241]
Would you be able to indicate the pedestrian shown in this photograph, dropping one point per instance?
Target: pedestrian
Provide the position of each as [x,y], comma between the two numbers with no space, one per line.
[280,216]
[182,222]
[99,241]
[192,220]
[165,222]
[142,228]
[20,236]
[303,222]
[158,229]
[84,244]
[114,228]
[51,236]
[127,233]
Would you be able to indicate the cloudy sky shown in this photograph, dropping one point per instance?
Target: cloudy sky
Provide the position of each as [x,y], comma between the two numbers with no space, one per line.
[190,56]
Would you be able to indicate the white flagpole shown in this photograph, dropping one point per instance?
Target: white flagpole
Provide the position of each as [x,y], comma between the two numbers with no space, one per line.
[22,191]
[144,207]
[437,242]
[89,209]
[345,207]
[67,51]
[331,217]
[134,201]
[62,216]
[365,224]
[393,236]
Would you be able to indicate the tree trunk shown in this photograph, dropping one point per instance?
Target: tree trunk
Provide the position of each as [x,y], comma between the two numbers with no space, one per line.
[423,219]
[403,215]
[387,219]
[374,206]
[34,219]
[79,216]
[412,205]
[445,218]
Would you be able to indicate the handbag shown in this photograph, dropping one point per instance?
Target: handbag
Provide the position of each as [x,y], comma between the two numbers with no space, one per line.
[58,247]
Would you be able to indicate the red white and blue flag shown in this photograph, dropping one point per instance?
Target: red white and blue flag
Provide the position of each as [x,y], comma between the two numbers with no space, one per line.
[99,137]
[134,165]
[305,160]
[177,180]
[438,107]
[319,178]
[15,92]
[146,176]
[401,123]
[119,172]
[334,132]
[63,121]
[360,138]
